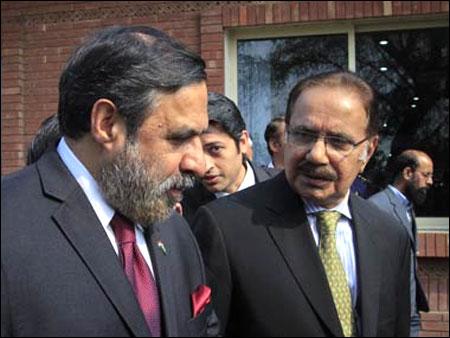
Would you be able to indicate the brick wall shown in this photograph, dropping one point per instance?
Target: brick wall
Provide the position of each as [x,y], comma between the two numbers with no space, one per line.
[37,38]
[433,273]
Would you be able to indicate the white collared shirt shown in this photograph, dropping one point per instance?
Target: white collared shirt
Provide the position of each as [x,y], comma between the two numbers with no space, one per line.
[93,193]
[344,239]
[249,181]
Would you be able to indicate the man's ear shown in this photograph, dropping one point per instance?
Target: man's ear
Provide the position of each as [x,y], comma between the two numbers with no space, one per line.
[244,142]
[107,126]
[274,145]
[408,173]
[368,152]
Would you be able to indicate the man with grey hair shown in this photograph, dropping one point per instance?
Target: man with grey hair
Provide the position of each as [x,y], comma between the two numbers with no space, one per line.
[90,244]
[298,255]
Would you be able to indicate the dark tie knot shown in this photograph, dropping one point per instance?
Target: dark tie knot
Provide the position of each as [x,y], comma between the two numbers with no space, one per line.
[123,229]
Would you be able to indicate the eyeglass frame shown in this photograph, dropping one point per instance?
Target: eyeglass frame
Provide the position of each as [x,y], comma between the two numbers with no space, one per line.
[427,176]
[325,137]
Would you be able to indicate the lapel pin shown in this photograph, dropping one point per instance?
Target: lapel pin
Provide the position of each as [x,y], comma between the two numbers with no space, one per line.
[162,247]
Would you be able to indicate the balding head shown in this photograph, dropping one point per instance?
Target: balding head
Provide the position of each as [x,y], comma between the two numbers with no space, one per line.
[413,174]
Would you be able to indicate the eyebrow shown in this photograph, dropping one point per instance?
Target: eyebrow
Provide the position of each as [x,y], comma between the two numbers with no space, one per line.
[183,134]
[214,144]
[335,134]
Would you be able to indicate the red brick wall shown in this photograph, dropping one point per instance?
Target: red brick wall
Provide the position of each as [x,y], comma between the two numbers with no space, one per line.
[433,273]
[37,38]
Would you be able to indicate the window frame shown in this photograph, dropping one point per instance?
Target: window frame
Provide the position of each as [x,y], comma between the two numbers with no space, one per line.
[349,27]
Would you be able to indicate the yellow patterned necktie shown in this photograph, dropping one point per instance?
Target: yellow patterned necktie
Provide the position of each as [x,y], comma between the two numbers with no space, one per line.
[337,279]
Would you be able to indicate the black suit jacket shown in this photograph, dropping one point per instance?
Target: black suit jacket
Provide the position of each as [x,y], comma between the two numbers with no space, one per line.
[267,276]
[60,275]
[197,196]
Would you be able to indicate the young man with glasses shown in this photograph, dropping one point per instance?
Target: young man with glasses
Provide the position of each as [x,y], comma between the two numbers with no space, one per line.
[299,255]
[412,178]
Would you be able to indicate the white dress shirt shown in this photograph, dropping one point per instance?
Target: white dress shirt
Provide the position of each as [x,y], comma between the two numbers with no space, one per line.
[249,181]
[93,193]
[344,239]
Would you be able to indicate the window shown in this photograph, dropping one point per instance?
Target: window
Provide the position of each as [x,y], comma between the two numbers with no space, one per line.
[268,69]
[409,70]
[407,65]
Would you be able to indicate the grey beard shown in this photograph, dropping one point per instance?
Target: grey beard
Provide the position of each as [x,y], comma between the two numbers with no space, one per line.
[134,188]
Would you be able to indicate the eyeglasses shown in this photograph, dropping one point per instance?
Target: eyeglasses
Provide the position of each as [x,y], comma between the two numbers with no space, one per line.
[427,176]
[336,146]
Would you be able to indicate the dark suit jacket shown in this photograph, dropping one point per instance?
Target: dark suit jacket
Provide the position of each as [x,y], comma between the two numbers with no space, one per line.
[197,196]
[266,273]
[60,275]
[387,201]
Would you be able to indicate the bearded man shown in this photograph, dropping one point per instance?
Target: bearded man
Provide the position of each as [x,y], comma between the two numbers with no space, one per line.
[90,244]
[412,178]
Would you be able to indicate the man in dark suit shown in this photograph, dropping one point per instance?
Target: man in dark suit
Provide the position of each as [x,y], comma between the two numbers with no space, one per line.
[298,255]
[228,169]
[412,178]
[90,245]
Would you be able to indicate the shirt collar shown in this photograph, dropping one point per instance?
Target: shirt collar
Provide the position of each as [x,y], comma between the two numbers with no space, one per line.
[87,182]
[343,207]
[249,181]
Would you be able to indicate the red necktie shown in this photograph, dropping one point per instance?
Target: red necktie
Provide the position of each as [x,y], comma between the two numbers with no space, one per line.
[138,272]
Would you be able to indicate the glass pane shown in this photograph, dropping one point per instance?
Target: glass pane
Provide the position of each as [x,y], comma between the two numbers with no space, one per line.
[267,71]
[409,70]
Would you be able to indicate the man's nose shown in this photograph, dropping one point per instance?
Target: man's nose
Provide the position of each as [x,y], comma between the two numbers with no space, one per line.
[193,161]
[317,152]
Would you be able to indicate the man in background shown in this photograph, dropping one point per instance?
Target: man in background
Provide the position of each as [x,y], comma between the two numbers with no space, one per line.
[226,144]
[412,178]
[46,139]
[275,136]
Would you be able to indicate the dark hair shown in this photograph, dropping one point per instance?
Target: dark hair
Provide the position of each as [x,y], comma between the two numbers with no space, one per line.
[340,79]
[402,161]
[224,113]
[273,131]
[130,66]
[45,139]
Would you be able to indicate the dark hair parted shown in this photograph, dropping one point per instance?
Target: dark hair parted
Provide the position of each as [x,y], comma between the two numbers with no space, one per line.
[131,66]
[273,131]
[347,80]
[224,113]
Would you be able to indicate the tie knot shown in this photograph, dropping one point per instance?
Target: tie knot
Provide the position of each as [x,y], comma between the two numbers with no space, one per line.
[328,220]
[123,229]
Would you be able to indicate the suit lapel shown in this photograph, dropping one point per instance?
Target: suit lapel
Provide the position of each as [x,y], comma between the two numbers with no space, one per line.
[290,230]
[400,212]
[78,222]
[369,268]
[159,245]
